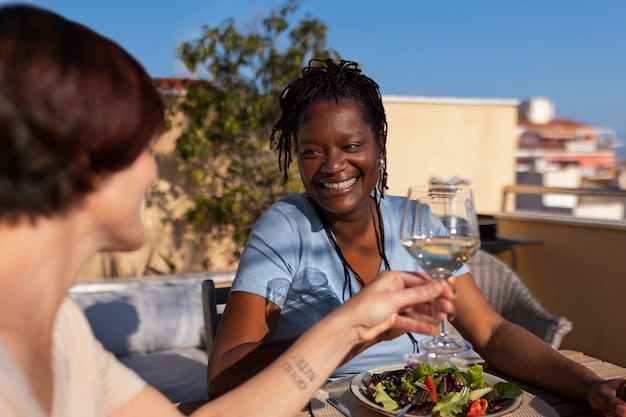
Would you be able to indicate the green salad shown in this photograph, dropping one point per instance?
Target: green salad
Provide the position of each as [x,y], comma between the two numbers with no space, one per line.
[451,391]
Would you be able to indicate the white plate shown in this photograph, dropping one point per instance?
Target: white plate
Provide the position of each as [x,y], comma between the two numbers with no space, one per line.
[357,386]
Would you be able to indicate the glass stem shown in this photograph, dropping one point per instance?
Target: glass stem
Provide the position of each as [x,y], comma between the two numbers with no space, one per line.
[444,327]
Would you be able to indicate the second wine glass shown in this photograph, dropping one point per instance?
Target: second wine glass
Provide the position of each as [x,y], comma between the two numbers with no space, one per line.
[440,230]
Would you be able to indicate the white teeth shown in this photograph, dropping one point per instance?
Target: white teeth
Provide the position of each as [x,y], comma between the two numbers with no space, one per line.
[340,185]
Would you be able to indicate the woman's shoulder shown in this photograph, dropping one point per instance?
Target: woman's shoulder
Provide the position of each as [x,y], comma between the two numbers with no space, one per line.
[292,215]
[295,206]
[294,200]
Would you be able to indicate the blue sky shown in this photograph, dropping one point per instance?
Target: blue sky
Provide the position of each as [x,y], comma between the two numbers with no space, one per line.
[571,51]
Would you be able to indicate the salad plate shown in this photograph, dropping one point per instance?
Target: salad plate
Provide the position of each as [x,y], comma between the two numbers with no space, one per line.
[360,382]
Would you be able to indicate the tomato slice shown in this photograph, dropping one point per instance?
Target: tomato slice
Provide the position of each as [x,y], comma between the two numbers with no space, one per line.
[477,408]
[428,381]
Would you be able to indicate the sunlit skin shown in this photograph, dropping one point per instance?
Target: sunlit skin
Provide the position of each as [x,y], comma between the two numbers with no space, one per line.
[116,203]
[338,157]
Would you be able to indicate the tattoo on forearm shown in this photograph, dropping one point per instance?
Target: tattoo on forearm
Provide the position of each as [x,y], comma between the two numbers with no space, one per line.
[299,371]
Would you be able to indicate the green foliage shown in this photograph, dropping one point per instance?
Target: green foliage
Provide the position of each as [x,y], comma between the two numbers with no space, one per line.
[230,113]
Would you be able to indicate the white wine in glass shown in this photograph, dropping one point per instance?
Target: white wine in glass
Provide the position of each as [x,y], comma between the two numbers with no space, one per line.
[440,230]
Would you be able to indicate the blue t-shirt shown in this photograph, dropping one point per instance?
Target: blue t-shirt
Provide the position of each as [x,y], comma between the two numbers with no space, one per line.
[290,261]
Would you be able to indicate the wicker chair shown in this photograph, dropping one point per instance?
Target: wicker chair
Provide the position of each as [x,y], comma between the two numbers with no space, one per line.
[513,300]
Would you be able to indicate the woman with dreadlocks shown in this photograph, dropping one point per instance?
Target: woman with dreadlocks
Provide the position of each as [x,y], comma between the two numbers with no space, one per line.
[310,252]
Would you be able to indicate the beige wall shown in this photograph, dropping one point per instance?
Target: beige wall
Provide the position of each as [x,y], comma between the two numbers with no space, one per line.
[578,273]
[441,137]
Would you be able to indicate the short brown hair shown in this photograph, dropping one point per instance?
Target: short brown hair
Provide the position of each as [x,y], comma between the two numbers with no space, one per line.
[74,106]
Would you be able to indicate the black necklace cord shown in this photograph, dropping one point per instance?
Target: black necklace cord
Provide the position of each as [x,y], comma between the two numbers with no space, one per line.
[347,268]
[380,243]
[380,233]
[414,342]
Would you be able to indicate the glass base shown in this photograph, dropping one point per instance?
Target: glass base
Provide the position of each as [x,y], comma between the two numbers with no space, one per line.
[445,345]
[441,350]
[435,359]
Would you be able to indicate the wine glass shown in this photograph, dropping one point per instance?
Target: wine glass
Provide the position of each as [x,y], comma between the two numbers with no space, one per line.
[440,230]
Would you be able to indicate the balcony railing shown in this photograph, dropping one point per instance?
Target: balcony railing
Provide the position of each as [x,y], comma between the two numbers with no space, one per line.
[588,204]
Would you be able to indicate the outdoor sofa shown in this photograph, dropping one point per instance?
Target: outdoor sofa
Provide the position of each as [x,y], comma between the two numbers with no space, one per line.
[154,325]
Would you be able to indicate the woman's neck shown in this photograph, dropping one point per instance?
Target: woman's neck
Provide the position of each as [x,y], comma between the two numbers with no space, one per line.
[39,261]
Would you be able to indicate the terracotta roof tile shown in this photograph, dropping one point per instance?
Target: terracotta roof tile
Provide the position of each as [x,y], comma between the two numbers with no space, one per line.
[175,84]
[559,129]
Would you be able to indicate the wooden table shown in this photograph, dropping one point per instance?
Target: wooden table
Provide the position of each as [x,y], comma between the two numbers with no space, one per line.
[564,407]
[568,408]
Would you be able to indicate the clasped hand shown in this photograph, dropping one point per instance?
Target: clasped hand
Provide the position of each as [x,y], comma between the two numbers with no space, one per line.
[397,302]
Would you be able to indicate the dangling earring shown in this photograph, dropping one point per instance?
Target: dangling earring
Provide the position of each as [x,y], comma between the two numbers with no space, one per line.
[382,175]
[381,168]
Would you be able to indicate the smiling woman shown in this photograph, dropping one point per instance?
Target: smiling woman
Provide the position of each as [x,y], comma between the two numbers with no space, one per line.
[333,239]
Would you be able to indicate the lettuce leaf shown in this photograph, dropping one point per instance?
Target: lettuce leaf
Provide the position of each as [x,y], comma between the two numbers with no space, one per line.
[476,394]
[476,377]
[385,400]
[507,390]
[452,403]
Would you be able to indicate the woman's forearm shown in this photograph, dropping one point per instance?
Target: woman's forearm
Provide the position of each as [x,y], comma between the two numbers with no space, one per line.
[293,378]
[537,363]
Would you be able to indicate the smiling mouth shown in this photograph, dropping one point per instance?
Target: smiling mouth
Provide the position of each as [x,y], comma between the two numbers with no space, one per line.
[339,185]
